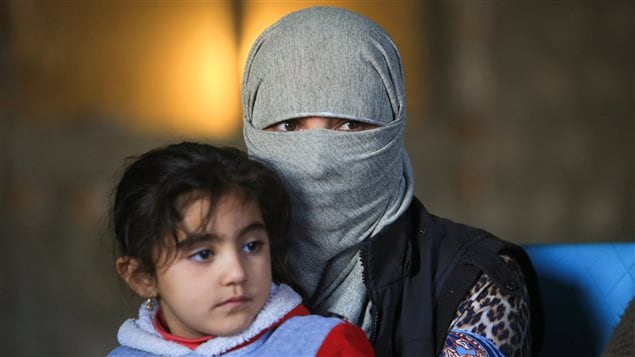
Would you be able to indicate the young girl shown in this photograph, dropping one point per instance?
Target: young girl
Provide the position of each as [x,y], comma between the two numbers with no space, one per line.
[194,227]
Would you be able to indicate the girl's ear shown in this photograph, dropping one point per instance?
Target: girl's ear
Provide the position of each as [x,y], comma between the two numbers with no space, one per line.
[141,283]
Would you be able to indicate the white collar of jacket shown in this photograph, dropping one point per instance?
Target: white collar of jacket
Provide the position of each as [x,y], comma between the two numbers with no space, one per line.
[140,333]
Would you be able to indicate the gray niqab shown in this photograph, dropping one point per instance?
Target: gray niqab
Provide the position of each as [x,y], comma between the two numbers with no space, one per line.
[345,186]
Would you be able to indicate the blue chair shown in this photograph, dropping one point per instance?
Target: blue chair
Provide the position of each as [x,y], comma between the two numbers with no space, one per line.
[585,289]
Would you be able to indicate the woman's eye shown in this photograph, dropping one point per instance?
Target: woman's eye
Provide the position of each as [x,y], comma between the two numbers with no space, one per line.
[353,125]
[252,247]
[202,255]
[289,125]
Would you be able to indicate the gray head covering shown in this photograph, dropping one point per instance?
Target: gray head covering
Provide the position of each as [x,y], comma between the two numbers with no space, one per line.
[345,186]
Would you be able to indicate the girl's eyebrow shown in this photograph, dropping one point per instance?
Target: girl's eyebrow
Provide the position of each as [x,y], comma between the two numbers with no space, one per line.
[194,239]
[255,226]
[197,238]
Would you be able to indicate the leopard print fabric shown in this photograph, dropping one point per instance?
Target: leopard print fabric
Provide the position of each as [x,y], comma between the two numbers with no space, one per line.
[503,319]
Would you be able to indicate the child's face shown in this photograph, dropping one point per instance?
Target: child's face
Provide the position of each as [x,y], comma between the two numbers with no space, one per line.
[221,275]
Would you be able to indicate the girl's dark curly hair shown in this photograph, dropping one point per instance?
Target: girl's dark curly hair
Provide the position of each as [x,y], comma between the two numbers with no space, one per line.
[157,185]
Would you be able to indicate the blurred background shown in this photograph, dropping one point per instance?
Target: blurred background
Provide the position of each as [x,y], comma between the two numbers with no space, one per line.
[520,120]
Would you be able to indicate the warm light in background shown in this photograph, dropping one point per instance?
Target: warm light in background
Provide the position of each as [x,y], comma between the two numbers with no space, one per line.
[195,87]
[166,68]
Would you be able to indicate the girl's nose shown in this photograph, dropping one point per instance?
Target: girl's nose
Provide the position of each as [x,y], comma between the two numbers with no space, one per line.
[233,271]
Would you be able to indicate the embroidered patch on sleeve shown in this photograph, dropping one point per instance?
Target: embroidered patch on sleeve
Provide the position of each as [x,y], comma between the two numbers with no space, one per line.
[462,343]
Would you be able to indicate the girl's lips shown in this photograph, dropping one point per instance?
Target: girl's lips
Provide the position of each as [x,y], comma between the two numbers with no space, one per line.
[234,301]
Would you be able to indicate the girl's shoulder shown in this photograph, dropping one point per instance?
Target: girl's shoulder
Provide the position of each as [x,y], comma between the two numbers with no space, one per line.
[317,335]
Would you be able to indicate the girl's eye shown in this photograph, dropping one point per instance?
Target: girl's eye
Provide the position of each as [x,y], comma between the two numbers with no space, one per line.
[202,255]
[252,247]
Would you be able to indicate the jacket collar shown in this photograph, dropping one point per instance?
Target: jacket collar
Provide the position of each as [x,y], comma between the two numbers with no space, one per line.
[140,333]
[395,241]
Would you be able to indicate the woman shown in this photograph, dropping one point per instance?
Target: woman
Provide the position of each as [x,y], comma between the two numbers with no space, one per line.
[324,103]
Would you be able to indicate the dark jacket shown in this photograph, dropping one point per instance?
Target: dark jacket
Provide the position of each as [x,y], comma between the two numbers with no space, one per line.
[420,268]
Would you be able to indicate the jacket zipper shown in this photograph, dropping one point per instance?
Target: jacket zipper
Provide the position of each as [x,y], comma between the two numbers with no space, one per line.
[374,312]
